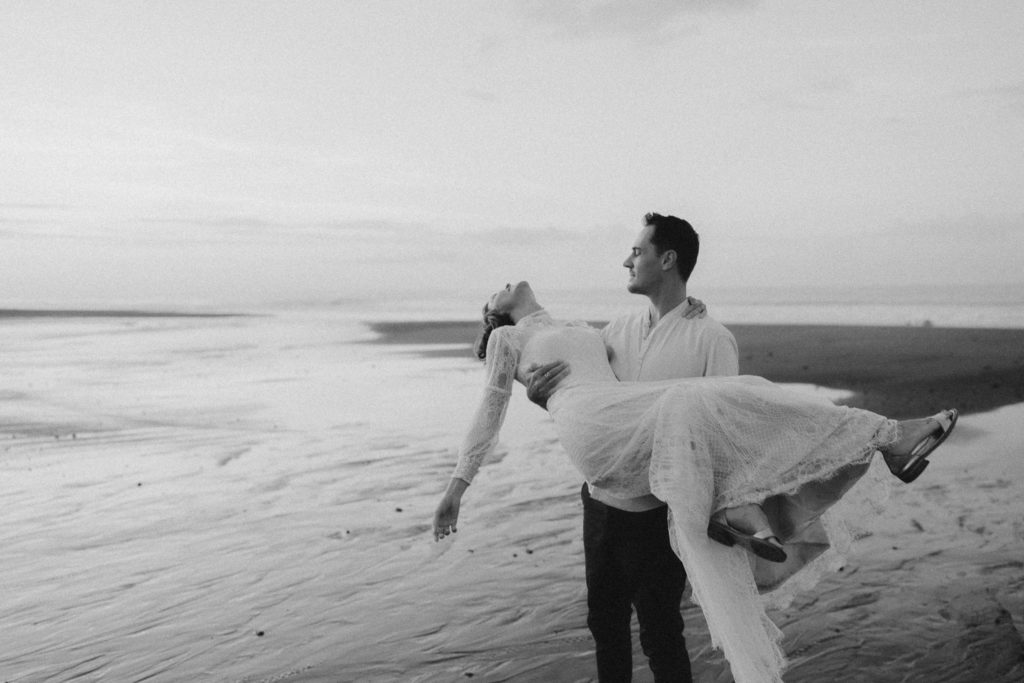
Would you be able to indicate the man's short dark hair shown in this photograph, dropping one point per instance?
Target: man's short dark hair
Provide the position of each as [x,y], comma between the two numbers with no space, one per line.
[671,233]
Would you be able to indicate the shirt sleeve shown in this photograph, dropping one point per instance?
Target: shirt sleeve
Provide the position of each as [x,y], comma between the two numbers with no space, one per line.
[723,358]
[611,336]
[502,361]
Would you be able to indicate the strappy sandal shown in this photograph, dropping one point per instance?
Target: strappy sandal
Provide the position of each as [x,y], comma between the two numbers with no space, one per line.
[919,454]
[764,543]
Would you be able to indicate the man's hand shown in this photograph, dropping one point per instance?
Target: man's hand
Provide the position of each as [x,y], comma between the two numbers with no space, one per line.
[694,309]
[543,381]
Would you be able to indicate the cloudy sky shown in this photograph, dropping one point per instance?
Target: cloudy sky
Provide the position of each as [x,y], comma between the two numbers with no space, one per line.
[196,152]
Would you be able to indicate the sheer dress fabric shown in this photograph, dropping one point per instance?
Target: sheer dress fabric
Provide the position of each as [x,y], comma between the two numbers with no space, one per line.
[701,445]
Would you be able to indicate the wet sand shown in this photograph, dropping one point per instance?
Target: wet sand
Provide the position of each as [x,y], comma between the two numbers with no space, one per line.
[899,372]
[249,499]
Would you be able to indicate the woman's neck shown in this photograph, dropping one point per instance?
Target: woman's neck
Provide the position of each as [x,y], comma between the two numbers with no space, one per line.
[524,309]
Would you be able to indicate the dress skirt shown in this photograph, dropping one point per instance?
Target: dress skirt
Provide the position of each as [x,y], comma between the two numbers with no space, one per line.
[709,443]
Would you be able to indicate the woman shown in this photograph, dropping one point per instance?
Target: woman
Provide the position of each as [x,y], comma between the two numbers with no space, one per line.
[736,458]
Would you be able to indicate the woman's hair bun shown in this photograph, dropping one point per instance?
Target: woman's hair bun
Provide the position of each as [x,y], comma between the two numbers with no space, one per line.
[492,321]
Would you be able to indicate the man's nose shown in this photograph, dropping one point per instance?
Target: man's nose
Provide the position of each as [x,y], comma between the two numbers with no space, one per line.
[628,263]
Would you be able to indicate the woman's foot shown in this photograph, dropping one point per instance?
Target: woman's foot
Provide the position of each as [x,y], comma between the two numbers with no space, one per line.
[747,526]
[908,456]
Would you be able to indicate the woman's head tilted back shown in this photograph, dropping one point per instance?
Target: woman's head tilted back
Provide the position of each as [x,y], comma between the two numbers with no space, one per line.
[492,321]
[501,310]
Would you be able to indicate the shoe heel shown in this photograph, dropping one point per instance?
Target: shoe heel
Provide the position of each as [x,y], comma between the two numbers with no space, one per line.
[915,471]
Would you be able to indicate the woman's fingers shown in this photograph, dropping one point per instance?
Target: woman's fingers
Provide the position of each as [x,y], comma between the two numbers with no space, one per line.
[445,522]
[695,308]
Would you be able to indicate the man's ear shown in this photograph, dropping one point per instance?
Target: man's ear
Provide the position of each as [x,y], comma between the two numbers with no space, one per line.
[668,259]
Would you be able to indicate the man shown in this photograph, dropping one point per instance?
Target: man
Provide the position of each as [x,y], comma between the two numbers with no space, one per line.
[629,560]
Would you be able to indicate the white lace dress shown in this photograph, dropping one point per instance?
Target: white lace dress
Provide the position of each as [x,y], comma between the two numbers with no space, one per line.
[700,445]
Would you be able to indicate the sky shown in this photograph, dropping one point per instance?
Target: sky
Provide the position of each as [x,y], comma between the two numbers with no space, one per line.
[195,153]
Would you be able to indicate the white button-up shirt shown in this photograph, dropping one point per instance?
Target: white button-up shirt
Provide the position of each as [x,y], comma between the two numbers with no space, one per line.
[674,348]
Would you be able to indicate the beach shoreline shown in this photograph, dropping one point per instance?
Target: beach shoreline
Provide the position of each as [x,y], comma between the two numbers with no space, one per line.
[899,372]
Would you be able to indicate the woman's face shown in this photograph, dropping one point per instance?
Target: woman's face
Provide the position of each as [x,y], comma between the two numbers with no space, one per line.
[504,300]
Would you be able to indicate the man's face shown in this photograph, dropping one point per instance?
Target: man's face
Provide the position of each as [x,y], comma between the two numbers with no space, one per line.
[644,264]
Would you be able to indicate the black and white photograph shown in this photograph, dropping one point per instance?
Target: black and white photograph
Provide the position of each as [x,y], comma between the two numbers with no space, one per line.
[528,341]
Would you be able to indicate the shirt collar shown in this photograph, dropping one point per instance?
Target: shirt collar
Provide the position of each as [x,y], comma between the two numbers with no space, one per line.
[677,311]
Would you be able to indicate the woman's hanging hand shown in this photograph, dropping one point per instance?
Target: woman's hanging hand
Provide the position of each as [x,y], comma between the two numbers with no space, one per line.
[446,516]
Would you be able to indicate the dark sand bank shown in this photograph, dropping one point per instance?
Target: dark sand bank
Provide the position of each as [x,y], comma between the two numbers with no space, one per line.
[896,371]
[99,313]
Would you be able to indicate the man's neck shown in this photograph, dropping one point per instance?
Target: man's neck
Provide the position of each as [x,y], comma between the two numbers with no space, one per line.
[665,300]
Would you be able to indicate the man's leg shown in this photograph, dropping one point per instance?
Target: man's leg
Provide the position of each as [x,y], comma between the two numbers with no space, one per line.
[660,581]
[608,592]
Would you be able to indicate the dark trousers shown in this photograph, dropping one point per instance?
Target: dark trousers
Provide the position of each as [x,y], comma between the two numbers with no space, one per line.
[630,563]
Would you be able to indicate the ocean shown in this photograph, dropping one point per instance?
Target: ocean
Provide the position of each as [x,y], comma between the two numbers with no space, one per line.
[988,306]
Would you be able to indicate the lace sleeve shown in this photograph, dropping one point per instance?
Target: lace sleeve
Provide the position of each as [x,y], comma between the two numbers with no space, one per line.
[502,360]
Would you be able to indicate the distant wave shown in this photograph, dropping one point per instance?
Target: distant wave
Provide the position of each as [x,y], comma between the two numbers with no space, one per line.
[100,313]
